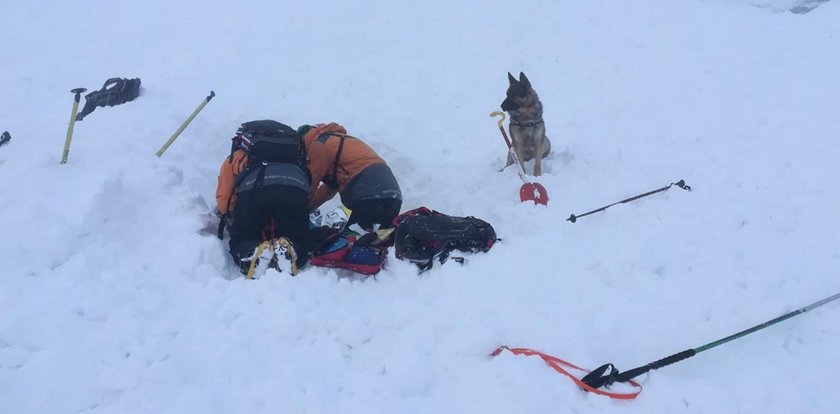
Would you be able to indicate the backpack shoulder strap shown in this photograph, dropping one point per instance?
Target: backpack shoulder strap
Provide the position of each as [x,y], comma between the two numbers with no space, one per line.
[337,159]
[332,179]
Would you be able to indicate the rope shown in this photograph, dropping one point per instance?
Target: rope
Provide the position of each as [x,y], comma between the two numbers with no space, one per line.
[560,366]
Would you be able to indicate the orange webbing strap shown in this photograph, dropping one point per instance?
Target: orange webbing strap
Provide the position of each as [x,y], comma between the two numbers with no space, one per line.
[558,364]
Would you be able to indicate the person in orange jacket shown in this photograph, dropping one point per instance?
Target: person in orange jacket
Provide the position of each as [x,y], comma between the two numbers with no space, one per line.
[345,165]
[263,189]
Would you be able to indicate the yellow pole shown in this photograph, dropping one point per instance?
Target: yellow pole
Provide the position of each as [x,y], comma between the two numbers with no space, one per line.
[69,138]
[184,125]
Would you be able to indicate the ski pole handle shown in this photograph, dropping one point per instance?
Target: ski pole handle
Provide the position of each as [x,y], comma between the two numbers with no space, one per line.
[671,359]
[607,374]
[682,184]
[64,154]
[185,124]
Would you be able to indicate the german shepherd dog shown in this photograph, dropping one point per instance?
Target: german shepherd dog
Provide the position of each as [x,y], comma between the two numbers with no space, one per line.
[527,129]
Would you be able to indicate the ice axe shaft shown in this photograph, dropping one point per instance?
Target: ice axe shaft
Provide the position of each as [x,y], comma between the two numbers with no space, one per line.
[681,184]
[66,153]
[185,124]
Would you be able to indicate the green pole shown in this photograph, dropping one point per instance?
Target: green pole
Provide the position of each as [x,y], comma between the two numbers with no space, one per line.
[746,332]
[607,374]
[69,138]
[185,124]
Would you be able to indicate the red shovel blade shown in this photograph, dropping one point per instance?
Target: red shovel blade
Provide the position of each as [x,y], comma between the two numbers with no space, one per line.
[533,192]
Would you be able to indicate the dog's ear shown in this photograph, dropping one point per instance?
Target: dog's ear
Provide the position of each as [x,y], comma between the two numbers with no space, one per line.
[511,79]
[524,80]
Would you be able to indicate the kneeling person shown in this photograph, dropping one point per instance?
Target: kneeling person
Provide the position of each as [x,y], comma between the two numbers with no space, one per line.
[344,164]
[263,191]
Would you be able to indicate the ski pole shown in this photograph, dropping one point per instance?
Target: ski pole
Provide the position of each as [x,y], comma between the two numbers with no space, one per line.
[681,184]
[66,152]
[607,374]
[184,125]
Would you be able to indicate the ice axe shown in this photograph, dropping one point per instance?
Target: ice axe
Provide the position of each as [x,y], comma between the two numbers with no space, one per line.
[66,152]
[529,191]
[183,126]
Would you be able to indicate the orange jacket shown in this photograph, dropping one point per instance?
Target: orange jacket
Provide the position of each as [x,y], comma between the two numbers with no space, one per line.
[231,167]
[355,156]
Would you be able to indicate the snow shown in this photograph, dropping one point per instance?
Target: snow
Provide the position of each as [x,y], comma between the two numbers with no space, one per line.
[110,301]
[794,6]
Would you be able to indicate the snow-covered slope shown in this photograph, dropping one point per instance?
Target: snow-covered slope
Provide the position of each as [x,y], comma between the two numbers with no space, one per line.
[111,302]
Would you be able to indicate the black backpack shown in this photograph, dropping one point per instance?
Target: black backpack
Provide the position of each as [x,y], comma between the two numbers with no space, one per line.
[424,235]
[270,141]
[265,141]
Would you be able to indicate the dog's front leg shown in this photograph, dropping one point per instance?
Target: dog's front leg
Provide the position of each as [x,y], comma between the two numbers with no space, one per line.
[539,147]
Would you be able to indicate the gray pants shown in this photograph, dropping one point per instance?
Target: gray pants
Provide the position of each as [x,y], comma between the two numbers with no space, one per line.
[376,182]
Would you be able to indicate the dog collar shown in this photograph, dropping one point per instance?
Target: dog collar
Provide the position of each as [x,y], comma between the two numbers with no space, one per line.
[526,124]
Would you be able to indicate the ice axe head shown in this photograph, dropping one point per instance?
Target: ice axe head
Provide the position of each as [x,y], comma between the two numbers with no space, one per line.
[78,91]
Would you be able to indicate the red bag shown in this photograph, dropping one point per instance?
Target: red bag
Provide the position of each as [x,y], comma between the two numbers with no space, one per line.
[340,251]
